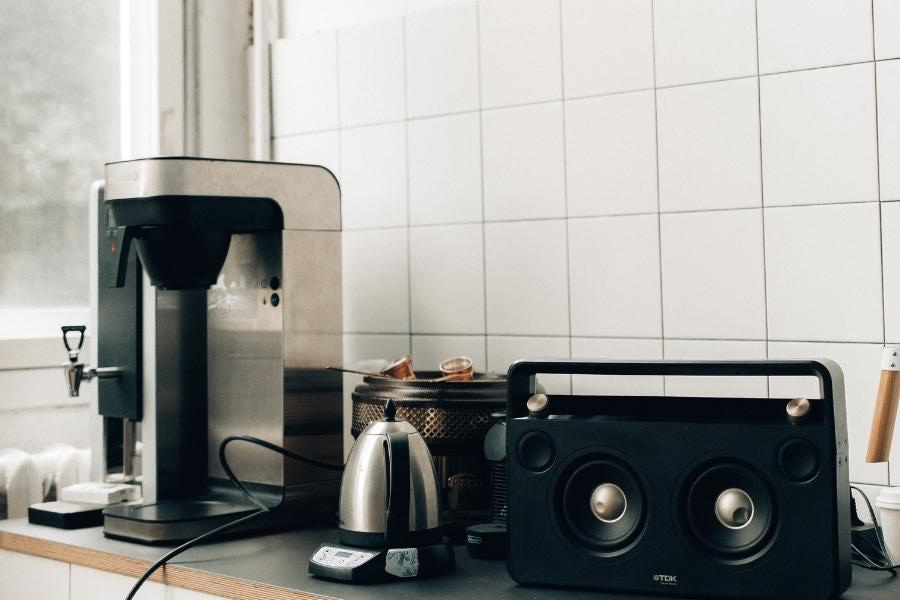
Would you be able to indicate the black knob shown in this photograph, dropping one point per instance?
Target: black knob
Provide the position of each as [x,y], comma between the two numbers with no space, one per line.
[390,410]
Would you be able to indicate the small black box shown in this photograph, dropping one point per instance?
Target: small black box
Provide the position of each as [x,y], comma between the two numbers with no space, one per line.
[66,515]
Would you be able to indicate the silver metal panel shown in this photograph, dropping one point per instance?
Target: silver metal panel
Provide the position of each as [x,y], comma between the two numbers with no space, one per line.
[313,395]
[308,195]
[245,360]
[312,292]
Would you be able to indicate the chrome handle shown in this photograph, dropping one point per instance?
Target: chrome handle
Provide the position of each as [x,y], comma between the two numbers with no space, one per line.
[102,373]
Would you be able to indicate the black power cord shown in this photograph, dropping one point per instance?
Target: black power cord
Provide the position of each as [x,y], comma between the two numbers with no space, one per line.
[223,461]
[878,558]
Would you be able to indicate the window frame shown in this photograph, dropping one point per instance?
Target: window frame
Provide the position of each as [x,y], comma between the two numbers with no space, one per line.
[160,57]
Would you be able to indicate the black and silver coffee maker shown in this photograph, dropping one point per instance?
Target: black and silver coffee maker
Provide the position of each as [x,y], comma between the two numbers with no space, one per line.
[218,289]
[390,515]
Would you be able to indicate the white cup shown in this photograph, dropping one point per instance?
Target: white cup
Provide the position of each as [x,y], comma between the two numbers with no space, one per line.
[888,503]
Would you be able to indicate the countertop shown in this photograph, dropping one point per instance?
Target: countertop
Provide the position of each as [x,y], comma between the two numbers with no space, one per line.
[275,566]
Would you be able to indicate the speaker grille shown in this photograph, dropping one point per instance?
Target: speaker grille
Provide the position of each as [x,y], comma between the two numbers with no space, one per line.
[728,510]
[577,493]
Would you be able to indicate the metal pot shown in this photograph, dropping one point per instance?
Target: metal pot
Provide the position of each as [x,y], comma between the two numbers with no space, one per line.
[452,416]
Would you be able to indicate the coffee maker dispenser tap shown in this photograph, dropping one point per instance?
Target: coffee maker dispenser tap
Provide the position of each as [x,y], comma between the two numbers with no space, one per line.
[77,372]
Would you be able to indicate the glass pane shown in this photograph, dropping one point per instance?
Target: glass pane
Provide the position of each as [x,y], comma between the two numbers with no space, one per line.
[59,122]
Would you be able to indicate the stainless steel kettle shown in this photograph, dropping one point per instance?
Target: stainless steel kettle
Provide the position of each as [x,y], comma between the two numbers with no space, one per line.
[390,496]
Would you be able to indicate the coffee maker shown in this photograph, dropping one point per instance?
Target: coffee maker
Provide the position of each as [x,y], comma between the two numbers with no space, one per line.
[218,313]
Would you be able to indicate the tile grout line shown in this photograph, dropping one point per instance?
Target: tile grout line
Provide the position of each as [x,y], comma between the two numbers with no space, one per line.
[574,98]
[762,192]
[340,160]
[567,239]
[484,277]
[620,337]
[408,229]
[662,312]
[620,215]
[878,180]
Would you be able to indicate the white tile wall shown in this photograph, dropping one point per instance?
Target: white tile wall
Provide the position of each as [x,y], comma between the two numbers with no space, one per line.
[445,170]
[713,276]
[607,46]
[520,52]
[818,136]
[442,61]
[376,281]
[689,50]
[888,78]
[524,165]
[304,84]
[372,74]
[890,239]
[527,284]
[373,176]
[611,154]
[612,178]
[823,273]
[887,23]
[709,146]
[614,276]
[447,279]
[802,34]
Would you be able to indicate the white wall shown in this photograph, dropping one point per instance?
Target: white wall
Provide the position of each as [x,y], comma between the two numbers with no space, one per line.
[632,179]
[299,17]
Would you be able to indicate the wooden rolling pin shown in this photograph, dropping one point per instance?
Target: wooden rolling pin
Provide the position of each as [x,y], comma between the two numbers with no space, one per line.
[885,407]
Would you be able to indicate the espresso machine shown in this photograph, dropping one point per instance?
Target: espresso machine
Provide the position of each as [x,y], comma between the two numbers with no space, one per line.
[218,313]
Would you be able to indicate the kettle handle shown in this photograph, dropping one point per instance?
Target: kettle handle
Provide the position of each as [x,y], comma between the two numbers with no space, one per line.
[397,469]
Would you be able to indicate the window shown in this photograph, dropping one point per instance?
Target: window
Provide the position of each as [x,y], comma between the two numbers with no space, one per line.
[59,123]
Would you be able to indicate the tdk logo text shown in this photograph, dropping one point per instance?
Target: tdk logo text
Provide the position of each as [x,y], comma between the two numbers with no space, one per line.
[666,579]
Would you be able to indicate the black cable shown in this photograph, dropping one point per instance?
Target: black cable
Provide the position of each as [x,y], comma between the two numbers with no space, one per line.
[270,446]
[188,545]
[882,549]
[223,461]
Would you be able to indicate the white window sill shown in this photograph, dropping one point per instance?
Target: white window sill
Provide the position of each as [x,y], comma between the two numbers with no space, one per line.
[32,339]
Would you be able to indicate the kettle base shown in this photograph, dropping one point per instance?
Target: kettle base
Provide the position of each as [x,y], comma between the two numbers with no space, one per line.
[368,565]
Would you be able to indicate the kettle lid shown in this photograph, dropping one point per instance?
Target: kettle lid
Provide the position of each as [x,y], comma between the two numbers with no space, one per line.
[390,423]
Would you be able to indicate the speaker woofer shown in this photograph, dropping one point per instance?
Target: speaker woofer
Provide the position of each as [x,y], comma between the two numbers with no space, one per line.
[601,505]
[728,510]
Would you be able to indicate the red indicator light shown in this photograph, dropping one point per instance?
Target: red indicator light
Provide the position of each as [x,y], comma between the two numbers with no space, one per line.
[112,247]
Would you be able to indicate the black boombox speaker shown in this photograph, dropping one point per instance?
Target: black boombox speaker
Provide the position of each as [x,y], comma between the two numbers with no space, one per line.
[724,497]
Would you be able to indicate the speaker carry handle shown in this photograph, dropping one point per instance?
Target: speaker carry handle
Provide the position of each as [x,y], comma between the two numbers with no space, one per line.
[521,377]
